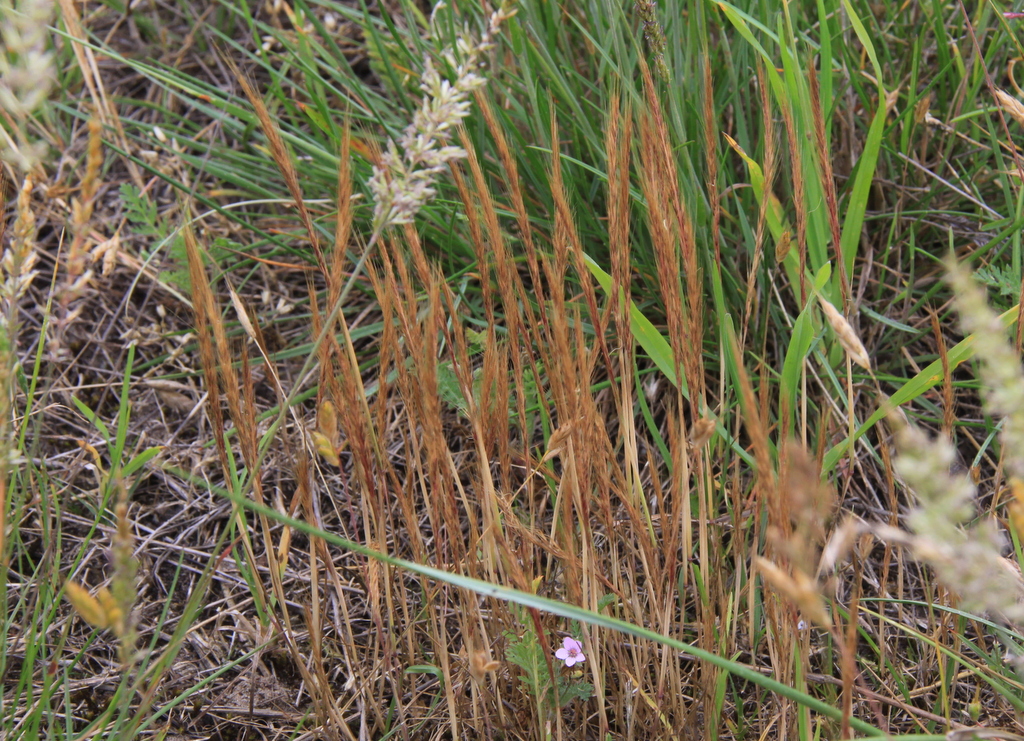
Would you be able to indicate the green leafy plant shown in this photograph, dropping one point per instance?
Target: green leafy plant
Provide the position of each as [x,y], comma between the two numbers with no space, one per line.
[526,652]
[144,217]
[1004,282]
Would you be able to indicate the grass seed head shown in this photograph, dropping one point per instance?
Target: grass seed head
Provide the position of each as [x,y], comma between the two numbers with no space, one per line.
[701,431]
[1010,105]
[404,180]
[88,607]
[27,72]
[19,259]
[655,36]
[1000,368]
[968,561]
[798,588]
[846,335]
[123,592]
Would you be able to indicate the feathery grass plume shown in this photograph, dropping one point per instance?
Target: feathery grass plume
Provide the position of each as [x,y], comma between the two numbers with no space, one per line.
[799,508]
[1001,372]
[26,73]
[618,134]
[828,180]
[674,240]
[19,259]
[711,153]
[404,181]
[16,274]
[648,10]
[279,152]
[967,560]
[770,169]
[82,207]
[796,167]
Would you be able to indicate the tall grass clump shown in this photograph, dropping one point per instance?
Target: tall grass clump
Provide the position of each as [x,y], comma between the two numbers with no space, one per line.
[500,434]
[511,403]
[567,507]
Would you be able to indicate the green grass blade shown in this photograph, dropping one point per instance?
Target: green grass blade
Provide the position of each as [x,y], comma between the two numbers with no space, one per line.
[868,161]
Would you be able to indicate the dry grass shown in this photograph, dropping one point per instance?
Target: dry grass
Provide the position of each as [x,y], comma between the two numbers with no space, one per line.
[500,454]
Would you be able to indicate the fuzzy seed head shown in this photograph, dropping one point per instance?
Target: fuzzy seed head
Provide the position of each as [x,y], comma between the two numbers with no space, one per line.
[967,560]
[1010,105]
[846,335]
[19,259]
[1001,371]
[27,70]
[655,36]
[403,181]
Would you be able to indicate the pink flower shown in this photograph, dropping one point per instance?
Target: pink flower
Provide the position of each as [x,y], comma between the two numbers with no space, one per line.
[571,652]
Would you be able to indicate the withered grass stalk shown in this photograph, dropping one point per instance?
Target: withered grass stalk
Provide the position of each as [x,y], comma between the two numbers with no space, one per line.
[828,180]
[796,163]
